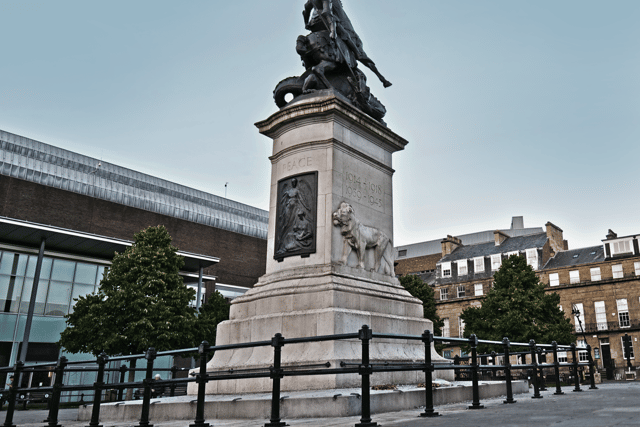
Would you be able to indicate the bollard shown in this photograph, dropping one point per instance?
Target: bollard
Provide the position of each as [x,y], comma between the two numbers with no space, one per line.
[506,344]
[57,392]
[276,374]
[13,394]
[97,391]
[174,374]
[575,367]
[427,339]
[592,369]
[148,382]
[201,379]
[365,335]
[473,341]
[123,372]
[556,369]
[534,371]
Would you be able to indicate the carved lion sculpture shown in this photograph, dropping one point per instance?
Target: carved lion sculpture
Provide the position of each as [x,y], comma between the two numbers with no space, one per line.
[360,237]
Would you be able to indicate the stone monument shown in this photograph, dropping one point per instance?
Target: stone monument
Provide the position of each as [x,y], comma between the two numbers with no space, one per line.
[330,254]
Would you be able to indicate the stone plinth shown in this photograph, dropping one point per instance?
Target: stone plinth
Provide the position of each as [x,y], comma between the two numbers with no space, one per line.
[317,294]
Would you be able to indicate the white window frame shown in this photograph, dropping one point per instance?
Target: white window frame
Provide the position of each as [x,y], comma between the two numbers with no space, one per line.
[532,258]
[446,331]
[636,267]
[461,291]
[463,267]
[623,313]
[478,265]
[601,315]
[624,353]
[460,327]
[574,276]
[513,253]
[478,289]
[617,271]
[596,275]
[496,262]
[554,279]
[583,355]
[562,357]
[619,247]
[580,308]
[446,266]
[444,292]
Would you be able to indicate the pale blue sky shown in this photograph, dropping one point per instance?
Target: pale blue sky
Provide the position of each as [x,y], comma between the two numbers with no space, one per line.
[510,107]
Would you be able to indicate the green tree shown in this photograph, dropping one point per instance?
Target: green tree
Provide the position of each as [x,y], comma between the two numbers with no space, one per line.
[215,310]
[142,302]
[518,307]
[424,293]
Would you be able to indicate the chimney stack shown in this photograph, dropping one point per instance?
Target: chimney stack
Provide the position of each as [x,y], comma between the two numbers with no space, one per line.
[450,244]
[499,237]
[556,241]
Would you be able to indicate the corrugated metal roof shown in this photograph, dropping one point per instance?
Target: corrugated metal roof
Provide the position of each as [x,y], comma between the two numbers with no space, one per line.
[45,164]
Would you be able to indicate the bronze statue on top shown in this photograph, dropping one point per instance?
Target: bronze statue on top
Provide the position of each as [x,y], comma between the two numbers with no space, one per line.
[331,54]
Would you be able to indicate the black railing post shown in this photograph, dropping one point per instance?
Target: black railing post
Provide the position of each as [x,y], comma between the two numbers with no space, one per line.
[13,394]
[365,371]
[276,373]
[506,344]
[556,369]
[174,374]
[97,390]
[473,342]
[201,379]
[427,339]
[575,367]
[123,372]
[148,383]
[592,369]
[57,393]
[534,370]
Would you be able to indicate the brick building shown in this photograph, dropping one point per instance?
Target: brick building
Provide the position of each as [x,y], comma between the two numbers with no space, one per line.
[85,209]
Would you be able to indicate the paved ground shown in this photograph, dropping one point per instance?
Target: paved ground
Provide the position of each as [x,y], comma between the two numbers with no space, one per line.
[614,404]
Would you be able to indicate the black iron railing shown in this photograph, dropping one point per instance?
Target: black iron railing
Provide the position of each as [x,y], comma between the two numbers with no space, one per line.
[276,372]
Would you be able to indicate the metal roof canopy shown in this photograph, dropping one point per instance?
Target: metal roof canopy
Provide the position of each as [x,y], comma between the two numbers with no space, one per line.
[30,234]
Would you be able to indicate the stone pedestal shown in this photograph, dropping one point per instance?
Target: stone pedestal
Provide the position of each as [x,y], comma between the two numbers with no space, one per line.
[316,293]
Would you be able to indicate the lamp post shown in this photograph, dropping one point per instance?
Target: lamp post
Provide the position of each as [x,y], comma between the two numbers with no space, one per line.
[576,313]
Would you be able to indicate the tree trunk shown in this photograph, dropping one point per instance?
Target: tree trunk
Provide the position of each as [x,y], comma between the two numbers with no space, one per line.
[132,378]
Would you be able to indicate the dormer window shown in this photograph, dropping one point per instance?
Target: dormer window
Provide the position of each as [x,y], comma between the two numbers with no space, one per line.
[446,269]
[478,265]
[621,247]
[402,252]
[532,258]
[496,262]
[462,267]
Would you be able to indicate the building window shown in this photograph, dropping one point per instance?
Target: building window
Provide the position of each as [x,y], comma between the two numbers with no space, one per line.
[623,313]
[462,267]
[478,289]
[478,265]
[636,266]
[512,253]
[460,327]
[446,269]
[595,274]
[461,291]
[532,258]
[496,262]
[445,328]
[624,350]
[574,276]
[579,326]
[601,315]
[583,355]
[402,252]
[562,357]
[621,247]
[617,271]
[554,279]
[444,294]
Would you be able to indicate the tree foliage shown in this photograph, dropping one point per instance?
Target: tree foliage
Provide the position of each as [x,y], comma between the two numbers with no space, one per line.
[142,302]
[517,307]
[216,310]
[418,289]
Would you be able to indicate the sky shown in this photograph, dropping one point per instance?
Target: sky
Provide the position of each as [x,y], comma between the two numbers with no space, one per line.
[511,107]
